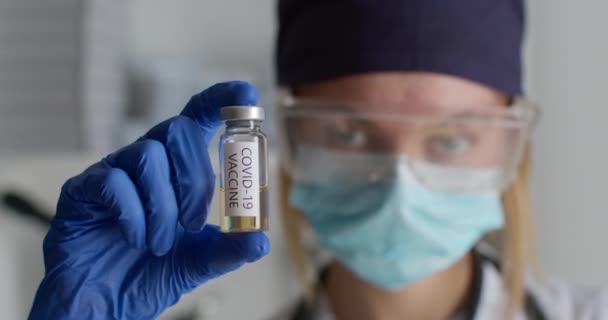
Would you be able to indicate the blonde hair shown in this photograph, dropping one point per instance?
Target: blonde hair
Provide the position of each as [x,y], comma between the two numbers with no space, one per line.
[515,240]
[517,243]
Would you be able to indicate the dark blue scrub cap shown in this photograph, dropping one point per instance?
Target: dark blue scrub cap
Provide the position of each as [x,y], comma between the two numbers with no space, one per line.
[479,40]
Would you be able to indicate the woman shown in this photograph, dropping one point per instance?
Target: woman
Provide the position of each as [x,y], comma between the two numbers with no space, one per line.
[405,136]
[404,133]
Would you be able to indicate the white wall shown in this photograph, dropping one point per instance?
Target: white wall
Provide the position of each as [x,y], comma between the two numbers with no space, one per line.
[229,35]
[568,76]
[172,42]
[204,30]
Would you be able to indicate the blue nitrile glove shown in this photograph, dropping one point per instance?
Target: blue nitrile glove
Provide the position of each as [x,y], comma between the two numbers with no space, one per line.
[129,237]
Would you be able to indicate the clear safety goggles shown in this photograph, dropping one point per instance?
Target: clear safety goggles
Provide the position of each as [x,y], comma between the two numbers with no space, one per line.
[460,149]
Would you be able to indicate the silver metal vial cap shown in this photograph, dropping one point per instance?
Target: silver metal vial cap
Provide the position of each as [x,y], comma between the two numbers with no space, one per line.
[242,113]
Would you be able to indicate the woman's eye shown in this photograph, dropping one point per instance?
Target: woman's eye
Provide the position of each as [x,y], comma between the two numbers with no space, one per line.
[345,134]
[445,146]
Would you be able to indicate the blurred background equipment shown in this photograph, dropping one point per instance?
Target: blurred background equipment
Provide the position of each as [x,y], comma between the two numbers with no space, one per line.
[61,78]
[19,204]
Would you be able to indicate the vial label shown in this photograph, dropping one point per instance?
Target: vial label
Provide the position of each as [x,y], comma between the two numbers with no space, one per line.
[241,179]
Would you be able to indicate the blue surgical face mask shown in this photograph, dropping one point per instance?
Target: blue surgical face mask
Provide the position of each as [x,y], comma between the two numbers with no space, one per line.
[394,230]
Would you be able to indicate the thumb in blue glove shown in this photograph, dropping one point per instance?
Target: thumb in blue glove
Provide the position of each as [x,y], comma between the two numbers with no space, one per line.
[129,236]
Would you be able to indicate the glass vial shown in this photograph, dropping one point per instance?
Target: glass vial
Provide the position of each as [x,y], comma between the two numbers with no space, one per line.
[243,155]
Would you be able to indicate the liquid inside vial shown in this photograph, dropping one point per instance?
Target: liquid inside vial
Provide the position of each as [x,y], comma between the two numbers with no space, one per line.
[230,223]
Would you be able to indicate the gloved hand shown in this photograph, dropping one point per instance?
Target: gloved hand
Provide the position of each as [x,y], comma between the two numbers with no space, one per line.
[129,236]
